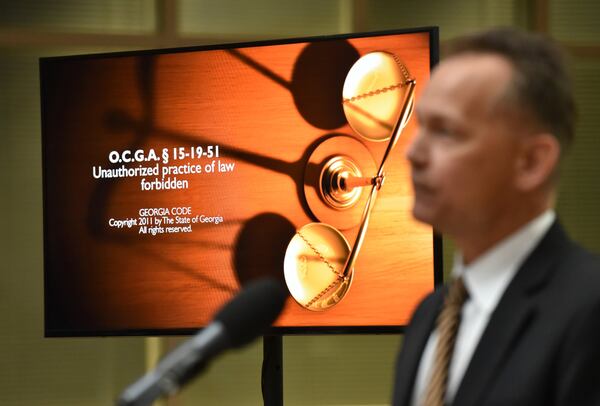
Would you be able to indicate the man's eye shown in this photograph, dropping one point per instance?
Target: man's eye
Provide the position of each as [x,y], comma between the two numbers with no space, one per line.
[441,132]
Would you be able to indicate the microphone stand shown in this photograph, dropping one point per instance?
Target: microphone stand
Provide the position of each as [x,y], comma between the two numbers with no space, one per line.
[272,370]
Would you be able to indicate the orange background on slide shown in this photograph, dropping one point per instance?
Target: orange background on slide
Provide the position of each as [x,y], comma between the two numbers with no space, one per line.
[104,279]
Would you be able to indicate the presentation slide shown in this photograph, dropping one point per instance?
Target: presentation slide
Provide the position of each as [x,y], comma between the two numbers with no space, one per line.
[172,178]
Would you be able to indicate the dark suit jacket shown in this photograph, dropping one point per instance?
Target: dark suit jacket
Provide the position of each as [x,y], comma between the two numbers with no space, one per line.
[542,343]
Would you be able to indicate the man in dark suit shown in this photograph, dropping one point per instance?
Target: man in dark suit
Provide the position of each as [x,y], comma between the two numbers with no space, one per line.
[494,122]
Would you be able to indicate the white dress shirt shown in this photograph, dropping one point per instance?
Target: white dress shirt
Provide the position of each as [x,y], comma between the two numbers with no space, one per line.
[486,279]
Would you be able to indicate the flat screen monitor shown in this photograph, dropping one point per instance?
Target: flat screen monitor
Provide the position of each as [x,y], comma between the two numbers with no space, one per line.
[174,177]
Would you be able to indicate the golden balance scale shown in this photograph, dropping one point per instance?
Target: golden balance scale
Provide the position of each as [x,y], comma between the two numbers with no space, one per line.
[378,97]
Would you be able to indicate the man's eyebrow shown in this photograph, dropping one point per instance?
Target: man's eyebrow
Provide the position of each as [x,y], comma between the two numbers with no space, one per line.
[431,115]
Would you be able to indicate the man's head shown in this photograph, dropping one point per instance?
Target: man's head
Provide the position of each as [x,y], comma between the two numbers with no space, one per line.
[493,120]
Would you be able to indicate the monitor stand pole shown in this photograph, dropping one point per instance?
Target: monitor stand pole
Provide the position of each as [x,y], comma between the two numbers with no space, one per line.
[272,371]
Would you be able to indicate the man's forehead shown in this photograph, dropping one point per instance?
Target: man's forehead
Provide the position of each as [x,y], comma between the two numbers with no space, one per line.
[474,66]
[470,81]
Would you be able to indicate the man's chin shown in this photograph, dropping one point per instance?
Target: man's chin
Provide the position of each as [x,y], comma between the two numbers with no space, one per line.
[423,214]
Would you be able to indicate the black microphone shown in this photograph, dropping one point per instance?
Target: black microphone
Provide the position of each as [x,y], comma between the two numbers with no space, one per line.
[240,321]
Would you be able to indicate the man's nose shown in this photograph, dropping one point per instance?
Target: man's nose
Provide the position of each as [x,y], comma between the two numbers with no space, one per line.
[416,152]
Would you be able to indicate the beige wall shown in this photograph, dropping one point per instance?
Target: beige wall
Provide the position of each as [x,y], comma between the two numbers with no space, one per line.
[324,370]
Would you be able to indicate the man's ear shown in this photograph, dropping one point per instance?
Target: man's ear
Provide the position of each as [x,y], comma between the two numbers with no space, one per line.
[538,161]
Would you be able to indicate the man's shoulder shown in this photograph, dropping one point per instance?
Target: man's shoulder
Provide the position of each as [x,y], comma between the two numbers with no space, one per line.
[569,255]
[579,268]
[584,259]
[429,305]
[569,278]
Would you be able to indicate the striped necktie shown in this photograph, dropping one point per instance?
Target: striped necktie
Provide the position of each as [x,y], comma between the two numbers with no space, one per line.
[447,327]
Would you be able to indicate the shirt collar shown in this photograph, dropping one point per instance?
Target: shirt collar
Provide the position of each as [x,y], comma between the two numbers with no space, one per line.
[488,276]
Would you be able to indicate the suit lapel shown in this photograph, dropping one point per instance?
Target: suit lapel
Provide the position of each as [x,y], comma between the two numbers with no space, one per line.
[511,318]
[506,324]
[413,346]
